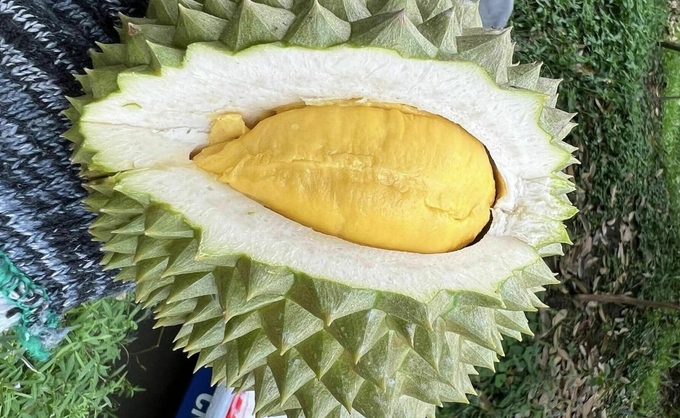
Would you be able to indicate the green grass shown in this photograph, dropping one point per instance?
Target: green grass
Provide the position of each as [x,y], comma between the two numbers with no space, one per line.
[659,380]
[79,380]
[606,51]
[671,123]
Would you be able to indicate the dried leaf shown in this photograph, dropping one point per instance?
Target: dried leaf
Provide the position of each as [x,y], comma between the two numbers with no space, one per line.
[588,406]
[559,317]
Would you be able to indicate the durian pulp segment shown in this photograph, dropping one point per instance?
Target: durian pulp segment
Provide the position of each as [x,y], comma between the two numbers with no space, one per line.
[376,175]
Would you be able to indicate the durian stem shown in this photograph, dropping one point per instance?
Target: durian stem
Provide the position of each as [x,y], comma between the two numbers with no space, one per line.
[627,300]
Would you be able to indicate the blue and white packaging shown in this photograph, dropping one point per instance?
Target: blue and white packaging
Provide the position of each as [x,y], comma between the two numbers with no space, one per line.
[204,401]
[198,396]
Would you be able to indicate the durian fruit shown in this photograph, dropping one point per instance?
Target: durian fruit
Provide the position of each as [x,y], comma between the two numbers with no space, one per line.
[187,138]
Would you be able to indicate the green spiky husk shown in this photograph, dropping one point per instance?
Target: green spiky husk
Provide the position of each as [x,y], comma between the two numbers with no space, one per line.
[324,345]
[308,346]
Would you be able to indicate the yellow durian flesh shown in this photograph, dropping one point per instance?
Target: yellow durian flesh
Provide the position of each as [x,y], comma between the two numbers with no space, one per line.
[386,176]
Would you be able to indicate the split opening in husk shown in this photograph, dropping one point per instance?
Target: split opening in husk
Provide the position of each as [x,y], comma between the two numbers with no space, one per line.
[382,175]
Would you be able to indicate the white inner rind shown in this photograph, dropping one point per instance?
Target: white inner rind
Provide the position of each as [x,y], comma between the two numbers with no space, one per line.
[231,223]
[157,121]
[253,82]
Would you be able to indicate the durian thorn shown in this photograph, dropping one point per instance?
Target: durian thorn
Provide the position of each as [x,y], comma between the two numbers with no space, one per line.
[347,404]
[498,346]
[328,320]
[382,384]
[356,357]
[137,258]
[179,335]
[284,397]
[411,342]
[227,316]
[148,303]
[198,367]
[242,372]
[258,407]
[214,380]
[181,344]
